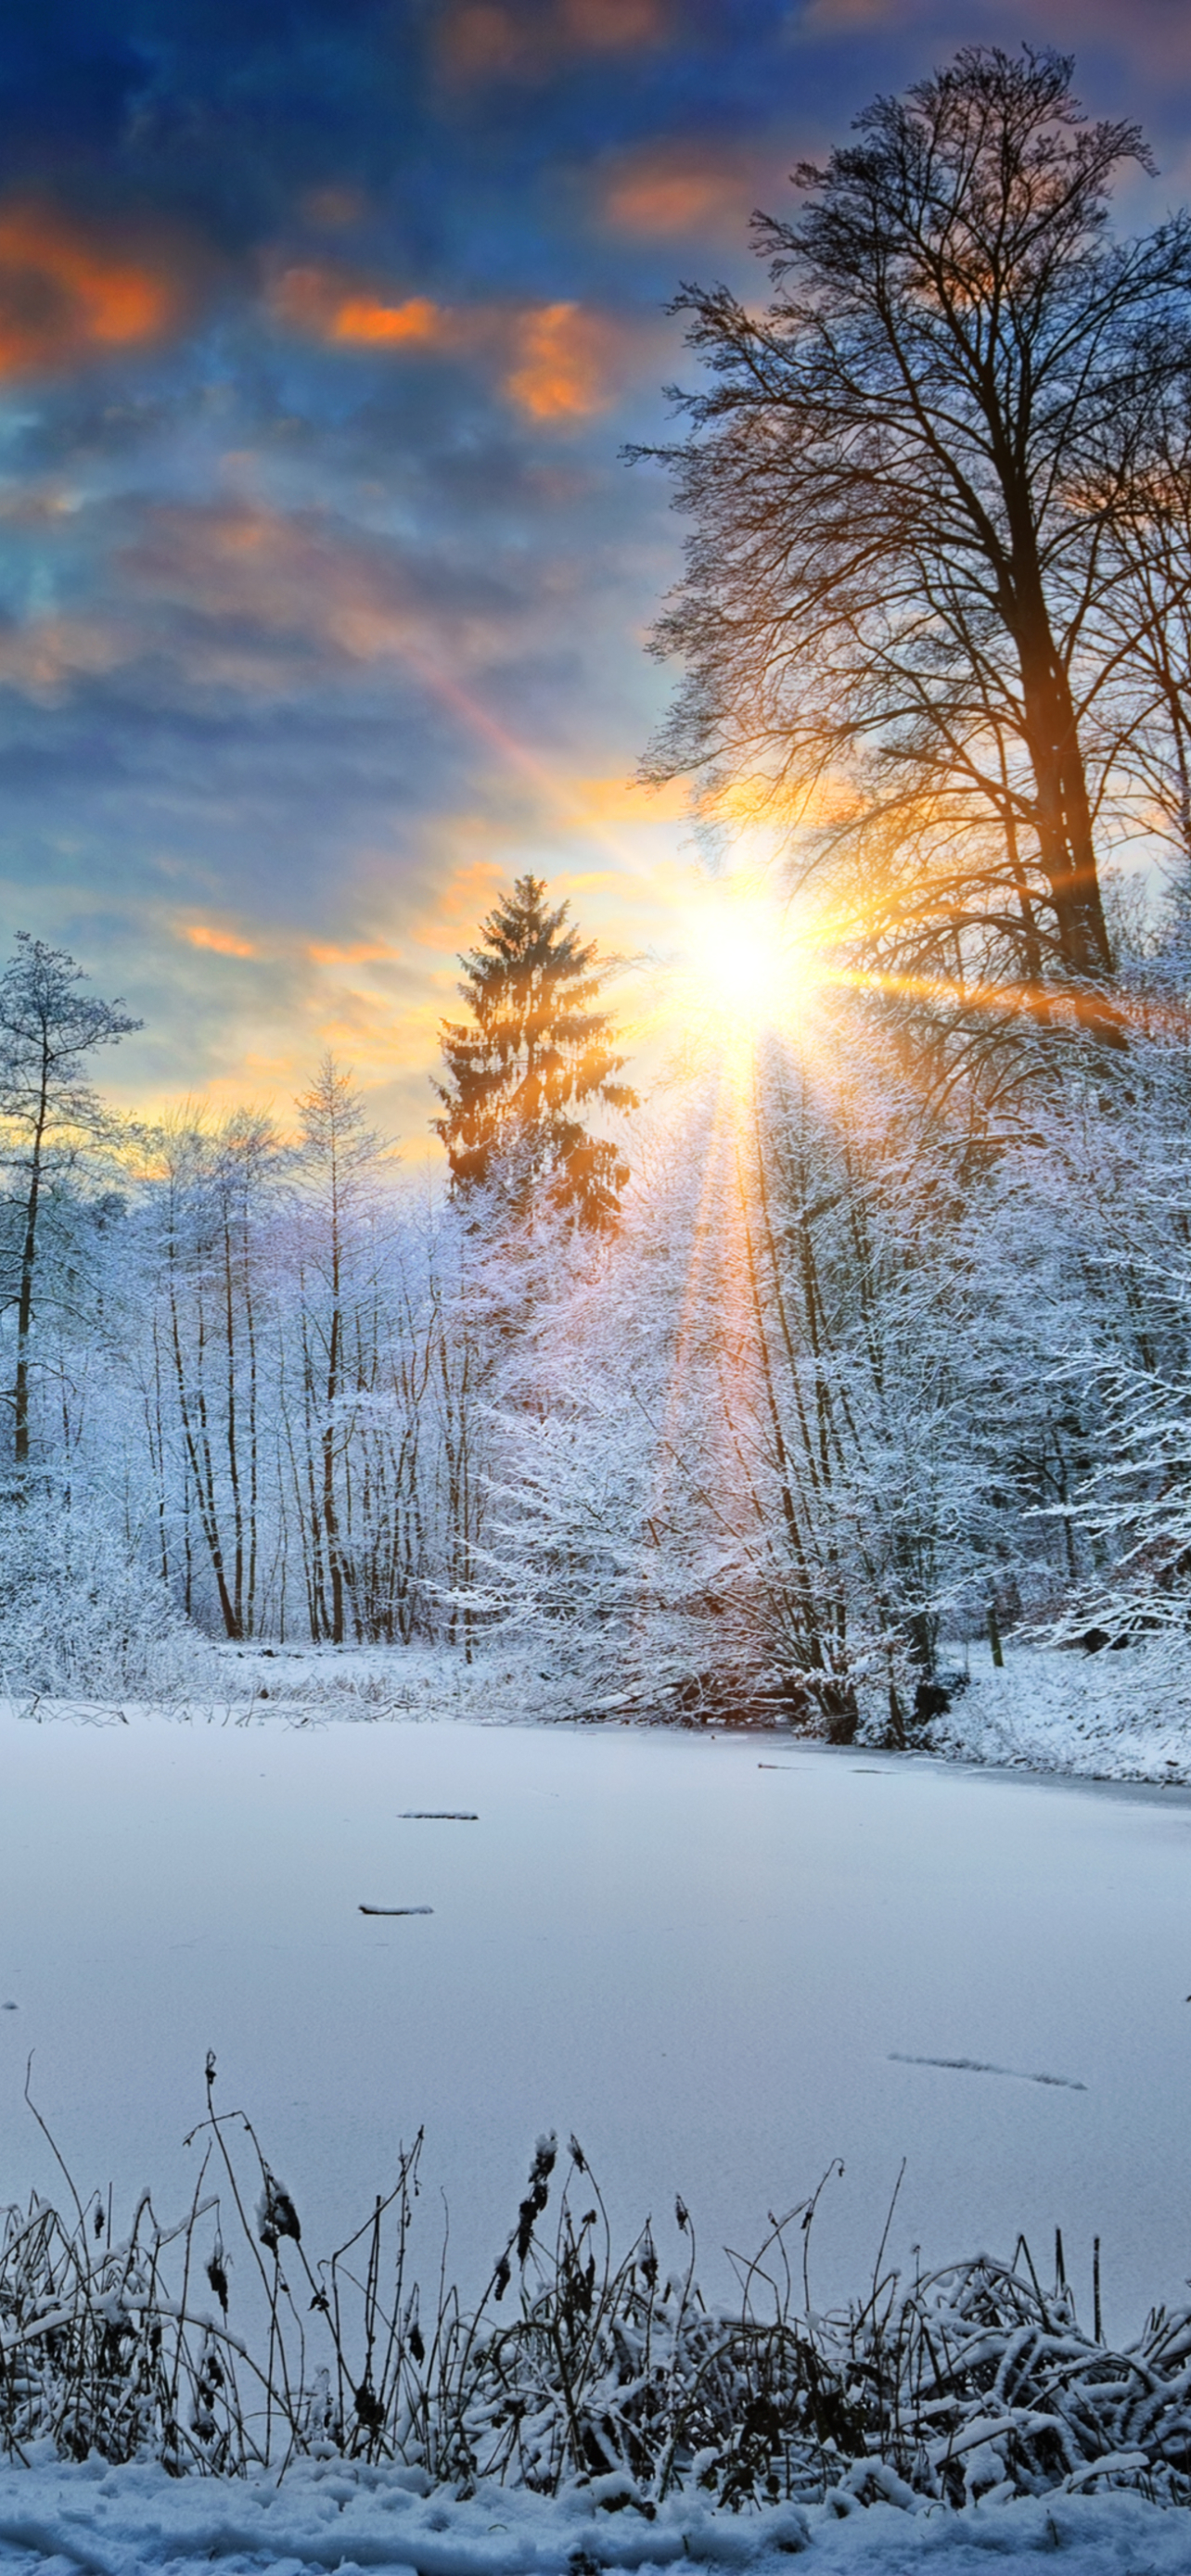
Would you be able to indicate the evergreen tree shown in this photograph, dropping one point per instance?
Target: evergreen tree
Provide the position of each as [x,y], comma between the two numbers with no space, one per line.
[535,1055]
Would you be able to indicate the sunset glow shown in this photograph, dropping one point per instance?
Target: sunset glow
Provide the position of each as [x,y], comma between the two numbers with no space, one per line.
[743,966]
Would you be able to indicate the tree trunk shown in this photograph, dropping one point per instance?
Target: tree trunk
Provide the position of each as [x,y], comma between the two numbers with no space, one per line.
[1062,812]
[20,1393]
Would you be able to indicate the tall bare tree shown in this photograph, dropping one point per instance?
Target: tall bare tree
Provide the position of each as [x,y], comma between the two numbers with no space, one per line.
[893,617]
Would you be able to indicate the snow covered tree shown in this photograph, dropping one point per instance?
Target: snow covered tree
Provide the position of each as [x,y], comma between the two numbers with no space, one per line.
[209,1216]
[537,1053]
[47,1029]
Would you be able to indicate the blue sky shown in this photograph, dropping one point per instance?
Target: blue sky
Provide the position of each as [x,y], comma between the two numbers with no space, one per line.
[323,586]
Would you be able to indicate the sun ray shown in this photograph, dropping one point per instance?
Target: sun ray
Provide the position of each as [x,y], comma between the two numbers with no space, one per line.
[743,968]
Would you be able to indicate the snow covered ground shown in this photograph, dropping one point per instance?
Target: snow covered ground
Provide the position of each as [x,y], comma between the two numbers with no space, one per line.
[724,1961]
[1116,1715]
[115,2522]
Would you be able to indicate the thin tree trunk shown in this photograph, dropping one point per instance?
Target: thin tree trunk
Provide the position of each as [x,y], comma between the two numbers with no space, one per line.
[20,1399]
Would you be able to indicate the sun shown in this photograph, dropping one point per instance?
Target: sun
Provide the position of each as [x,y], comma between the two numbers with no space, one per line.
[743,967]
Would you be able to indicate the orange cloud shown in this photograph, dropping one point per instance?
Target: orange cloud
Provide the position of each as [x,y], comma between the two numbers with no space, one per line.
[612,26]
[324,303]
[562,364]
[564,358]
[680,188]
[461,904]
[63,297]
[389,326]
[202,934]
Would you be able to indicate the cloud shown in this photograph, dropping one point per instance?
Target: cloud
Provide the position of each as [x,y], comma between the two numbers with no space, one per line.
[66,297]
[43,657]
[203,934]
[364,953]
[834,17]
[333,209]
[463,901]
[251,571]
[365,321]
[322,304]
[564,364]
[1154,36]
[621,800]
[502,39]
[689,186]
[554,362]
[612,26]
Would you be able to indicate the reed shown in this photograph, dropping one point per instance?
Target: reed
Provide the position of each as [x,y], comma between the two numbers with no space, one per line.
[577,2367]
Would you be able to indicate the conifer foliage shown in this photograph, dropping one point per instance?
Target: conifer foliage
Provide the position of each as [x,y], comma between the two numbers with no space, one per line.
[536,1054]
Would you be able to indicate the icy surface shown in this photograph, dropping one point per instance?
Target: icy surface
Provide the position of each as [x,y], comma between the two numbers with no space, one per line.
[116,2521]
[722,1961]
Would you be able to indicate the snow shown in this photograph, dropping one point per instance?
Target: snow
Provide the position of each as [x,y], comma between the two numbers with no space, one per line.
[115,2522]
[1117,1715]
[722,1961]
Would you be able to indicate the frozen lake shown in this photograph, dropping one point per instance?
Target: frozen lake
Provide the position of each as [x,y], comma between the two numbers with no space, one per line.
[720,1960]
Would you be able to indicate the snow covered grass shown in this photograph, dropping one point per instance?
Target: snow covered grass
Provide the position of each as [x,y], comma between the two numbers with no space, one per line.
[1113,1715]
[604,2380]
[501,1680]
[1116,1715]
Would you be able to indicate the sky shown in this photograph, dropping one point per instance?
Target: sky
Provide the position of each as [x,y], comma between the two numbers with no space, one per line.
[324,584]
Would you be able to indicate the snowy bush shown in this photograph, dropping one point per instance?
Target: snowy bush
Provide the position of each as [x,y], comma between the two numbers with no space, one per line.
[79,1611]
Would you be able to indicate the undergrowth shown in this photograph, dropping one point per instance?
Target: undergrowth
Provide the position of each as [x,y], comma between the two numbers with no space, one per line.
[600,2372]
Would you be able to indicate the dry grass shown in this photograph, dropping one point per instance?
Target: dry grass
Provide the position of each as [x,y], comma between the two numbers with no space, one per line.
[601,2372]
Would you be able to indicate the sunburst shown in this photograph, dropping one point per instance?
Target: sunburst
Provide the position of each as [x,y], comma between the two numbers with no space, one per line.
[744,970]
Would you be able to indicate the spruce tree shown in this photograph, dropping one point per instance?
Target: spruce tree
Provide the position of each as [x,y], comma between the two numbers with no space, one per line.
[536,1054]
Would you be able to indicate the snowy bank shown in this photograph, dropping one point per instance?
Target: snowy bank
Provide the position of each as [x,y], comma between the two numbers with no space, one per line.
[116,2522]
[1115,1715]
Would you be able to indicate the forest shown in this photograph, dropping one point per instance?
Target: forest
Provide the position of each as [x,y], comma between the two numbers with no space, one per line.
[866,1334]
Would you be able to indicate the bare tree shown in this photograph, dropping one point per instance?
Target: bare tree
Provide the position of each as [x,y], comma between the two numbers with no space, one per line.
[892,619]
[211,1199]
[1141,479]
[339,1331]
[47,1029]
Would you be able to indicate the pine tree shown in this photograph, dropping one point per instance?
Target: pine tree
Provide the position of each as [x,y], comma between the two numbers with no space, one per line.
[535,1055]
